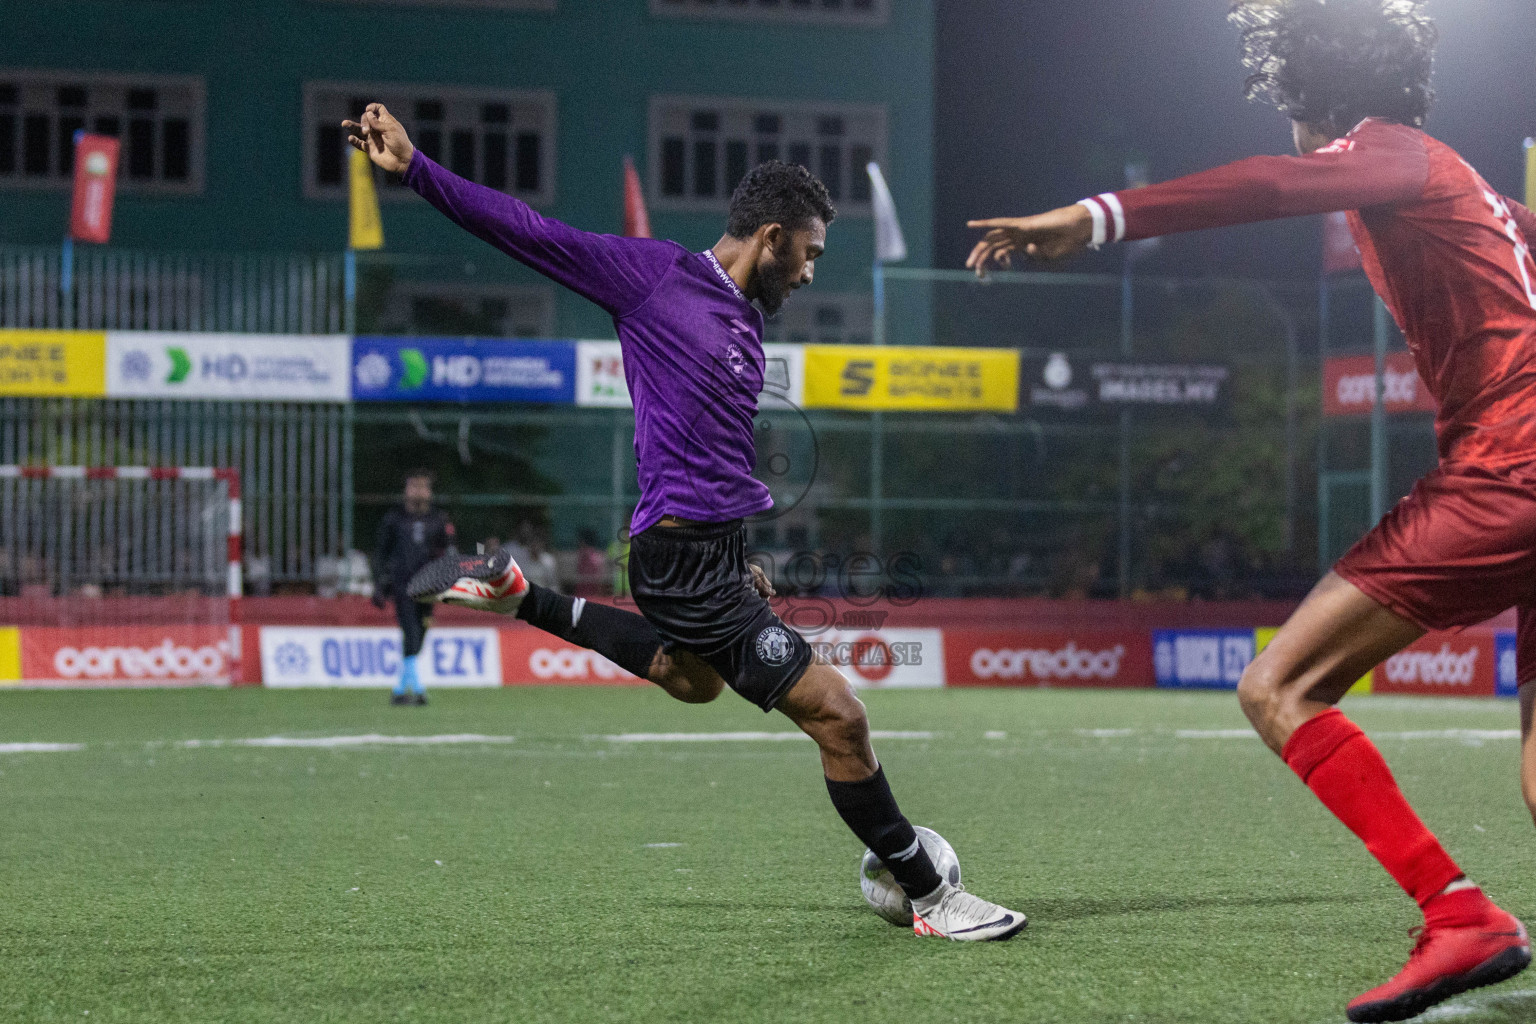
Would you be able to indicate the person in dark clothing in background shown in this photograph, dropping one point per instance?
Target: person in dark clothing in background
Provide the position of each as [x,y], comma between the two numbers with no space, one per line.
[411,535]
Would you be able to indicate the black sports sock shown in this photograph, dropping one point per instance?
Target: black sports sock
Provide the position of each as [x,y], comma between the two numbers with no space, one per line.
[624,638]
[870,811]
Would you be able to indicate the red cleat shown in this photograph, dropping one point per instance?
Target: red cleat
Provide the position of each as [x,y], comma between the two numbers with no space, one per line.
[1449,959]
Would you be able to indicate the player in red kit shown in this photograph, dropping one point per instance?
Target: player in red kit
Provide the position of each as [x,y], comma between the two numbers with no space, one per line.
[1452,259]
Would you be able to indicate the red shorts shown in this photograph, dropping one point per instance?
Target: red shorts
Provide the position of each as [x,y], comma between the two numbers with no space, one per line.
[1457,551]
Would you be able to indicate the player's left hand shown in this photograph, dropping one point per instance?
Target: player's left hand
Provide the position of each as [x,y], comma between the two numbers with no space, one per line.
[1047,236]
[761,583]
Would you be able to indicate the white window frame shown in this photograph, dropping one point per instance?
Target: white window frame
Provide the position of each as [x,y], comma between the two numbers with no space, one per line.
[398,314]
[195,112]
[784,12]
[796,323]
[401,98]
[746,110]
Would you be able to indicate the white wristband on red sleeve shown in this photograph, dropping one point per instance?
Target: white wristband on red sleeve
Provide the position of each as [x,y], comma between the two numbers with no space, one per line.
[1108,218]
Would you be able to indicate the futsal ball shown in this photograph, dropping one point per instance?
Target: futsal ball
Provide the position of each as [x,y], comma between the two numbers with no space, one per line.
[881,892]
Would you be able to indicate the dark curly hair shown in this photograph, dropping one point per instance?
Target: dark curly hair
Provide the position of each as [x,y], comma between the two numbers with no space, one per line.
[1338,62]
[778,193]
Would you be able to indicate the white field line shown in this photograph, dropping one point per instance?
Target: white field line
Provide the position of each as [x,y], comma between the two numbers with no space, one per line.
[40,748]
[372,739]
[1453,734]
[1105,734]
[740,737]
[1516,1003]
[1215,734]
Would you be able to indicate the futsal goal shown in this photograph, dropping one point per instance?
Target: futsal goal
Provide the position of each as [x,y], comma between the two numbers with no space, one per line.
[120,575]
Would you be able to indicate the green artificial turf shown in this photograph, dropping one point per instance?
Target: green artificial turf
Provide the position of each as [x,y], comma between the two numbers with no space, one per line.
[568,877]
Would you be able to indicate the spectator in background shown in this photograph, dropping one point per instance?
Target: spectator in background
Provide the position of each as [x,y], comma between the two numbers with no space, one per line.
[591,565]
[411,535]
[537,561]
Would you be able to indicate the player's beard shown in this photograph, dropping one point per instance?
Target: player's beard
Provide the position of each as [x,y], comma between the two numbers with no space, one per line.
[772,286]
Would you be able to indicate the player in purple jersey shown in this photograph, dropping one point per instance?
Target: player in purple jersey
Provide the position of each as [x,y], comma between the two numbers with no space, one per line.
[691,326]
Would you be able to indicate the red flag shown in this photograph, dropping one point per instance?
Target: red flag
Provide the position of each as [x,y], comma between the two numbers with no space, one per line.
[637,223]
[90,218]
[1340,255]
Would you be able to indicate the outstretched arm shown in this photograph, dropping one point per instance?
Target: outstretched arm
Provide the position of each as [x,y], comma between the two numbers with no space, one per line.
[1388,165]
[617,274]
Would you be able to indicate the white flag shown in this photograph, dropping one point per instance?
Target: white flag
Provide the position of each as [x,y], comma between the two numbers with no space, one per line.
[890,246]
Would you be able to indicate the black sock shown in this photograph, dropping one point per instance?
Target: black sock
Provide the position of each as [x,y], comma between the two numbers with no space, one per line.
[871,812]
[624,638]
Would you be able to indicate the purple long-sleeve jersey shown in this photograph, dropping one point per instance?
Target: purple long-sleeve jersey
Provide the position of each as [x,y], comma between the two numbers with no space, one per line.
[693,344]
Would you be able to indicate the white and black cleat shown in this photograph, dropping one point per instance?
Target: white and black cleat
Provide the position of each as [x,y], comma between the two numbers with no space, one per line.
[960,916]
[491,583]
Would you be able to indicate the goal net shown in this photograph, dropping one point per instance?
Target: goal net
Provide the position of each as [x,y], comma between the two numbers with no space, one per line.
[119,576]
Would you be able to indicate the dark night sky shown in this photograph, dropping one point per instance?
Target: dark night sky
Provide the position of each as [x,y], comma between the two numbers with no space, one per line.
[1040,102]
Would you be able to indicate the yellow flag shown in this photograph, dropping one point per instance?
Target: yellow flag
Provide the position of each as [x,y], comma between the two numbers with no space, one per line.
[367,228]
[1530,173]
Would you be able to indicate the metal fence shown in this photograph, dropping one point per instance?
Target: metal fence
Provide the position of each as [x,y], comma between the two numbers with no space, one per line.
[125,290]
[294,459]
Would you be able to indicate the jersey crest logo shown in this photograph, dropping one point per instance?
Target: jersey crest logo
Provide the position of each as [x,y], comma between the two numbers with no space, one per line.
[774,647]
[1343,145]
[735,360]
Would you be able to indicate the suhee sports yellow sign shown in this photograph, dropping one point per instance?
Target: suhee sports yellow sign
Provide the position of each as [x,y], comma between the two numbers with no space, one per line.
[911,379]
[53,363]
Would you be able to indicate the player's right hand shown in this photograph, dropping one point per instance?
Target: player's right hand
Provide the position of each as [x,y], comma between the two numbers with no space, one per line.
[380,599]
[382,137]
[1048,236]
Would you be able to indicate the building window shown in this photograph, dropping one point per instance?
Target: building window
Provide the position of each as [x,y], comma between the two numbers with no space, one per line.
[830,318]
[158,119]
[503,140]
[836,12]
[702,148]
[484,311]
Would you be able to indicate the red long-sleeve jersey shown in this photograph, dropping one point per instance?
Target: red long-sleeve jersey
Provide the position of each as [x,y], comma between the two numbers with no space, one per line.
[1450,257]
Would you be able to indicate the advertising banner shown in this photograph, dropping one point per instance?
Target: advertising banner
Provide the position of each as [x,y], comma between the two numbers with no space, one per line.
[1069,383]
[1349,384]
[10,655]
[531,657]
[1201,659]
[600,374]
[888,659]
[898,378]
[1507,675]
[228,367]
[90,213]
[1442,665]
[60,364]
[1064,658]
[367,656]
[463,370]
[126,656]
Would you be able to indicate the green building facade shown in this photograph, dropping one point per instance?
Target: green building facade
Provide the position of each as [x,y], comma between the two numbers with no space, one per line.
[228,115]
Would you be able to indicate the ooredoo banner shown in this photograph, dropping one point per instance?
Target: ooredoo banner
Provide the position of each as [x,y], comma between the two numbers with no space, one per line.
[366,656]
[1349,385]
[531,657]
[1075,658]
[126,656]
[1442,665]
[888,659]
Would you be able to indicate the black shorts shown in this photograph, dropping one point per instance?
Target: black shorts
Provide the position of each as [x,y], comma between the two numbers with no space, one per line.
[693,584]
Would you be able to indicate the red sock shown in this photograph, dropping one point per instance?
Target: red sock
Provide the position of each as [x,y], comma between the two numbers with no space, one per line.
[1346,772]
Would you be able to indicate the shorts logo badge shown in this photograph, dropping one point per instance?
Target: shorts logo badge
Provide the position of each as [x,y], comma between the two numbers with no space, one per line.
[773,646]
